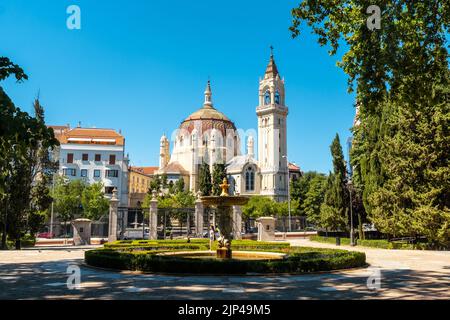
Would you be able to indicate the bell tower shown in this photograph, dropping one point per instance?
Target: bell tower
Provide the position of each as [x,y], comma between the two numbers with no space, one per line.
[272,143]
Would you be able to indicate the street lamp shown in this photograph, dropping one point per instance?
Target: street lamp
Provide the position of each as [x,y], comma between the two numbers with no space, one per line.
[289,193]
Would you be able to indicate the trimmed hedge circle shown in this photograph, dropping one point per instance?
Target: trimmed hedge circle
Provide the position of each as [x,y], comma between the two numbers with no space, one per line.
[137,257]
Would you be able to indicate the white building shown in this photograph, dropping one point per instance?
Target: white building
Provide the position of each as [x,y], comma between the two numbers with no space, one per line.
[94,155]
[207,135]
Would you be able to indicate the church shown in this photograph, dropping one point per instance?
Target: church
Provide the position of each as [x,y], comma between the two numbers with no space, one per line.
[209,136]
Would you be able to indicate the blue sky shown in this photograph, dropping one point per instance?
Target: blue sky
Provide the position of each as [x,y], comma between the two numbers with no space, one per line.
[141,66]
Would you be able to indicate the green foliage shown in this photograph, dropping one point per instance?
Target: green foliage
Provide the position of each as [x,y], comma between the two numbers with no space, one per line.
[36,219]
[400,149]
[179,185]
[259,206]
[219,173]
[67,195]
[334,209]
[374,243]
[205,186]
[314,198]
[299,260]
[93,201]
[179,200]
[24,143]
[300,187]
[155,184]
[194,244]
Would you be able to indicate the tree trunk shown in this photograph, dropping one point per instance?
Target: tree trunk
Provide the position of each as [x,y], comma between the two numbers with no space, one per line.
[360,228]
[18,246]
[4,245]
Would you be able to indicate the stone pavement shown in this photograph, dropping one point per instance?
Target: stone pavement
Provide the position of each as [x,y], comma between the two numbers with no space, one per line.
[41,274]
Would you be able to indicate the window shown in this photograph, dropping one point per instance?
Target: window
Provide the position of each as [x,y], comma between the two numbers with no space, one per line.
[96,173]
[277,97]
[85,157]
[249,179]
[84,173]
[267,97]
[70,172]
[112,159]
[70,158]
[98,157]
[112,173]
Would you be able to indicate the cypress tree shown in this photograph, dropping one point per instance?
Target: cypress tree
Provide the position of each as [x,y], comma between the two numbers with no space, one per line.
[334,210]
[205,180]
[219,172]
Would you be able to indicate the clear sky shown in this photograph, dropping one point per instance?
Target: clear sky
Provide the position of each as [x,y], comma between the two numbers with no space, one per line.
[141,66]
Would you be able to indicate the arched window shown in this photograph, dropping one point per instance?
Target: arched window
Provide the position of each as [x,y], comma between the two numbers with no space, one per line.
[277,97]
[250,179]
[267,97]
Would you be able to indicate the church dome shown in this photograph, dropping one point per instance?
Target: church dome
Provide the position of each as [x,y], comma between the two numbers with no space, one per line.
[208,118]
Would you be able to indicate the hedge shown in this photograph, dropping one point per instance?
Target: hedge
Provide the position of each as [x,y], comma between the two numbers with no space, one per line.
[299,260]
[373,243]
[194,244]
[26,242]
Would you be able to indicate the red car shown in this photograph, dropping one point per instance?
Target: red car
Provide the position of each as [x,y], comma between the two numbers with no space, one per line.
[46,235]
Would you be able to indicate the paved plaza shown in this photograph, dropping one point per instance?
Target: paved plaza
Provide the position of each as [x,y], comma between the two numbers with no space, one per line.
[40,273]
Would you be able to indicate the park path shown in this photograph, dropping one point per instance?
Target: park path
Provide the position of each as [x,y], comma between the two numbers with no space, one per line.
[42,274]
[420,260]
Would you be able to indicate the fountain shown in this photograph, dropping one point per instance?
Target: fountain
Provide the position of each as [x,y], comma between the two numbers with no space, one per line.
[224,204]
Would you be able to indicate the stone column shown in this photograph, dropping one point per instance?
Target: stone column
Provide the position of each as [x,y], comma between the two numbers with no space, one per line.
[266,228]
[81,231]
[199,216]
[237,222]
[113,207]
[153,218]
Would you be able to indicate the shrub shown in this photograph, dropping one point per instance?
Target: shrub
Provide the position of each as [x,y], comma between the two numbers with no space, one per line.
[299,260]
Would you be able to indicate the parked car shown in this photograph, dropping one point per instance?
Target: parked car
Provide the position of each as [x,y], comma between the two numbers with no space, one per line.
[46,235]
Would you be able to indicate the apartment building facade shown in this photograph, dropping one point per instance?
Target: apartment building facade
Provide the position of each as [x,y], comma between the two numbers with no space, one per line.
[94,155]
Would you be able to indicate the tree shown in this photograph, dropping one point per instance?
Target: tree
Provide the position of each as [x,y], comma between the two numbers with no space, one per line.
[67,196]
[179,185]
[334,209]
[93,201]
[43,170]
[219,173]
[259,206]
[300,187]
[155,184]
[205,179]
[22,138]
[164,183]
[399,153]
[314,199]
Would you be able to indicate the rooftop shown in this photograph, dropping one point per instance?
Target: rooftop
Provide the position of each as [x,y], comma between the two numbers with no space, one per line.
[78,135]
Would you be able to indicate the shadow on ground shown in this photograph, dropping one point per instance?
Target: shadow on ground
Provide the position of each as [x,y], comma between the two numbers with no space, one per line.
[47,280]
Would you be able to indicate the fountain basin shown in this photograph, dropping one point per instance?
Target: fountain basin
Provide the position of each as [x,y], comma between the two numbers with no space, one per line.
[237,255]
[224,201]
